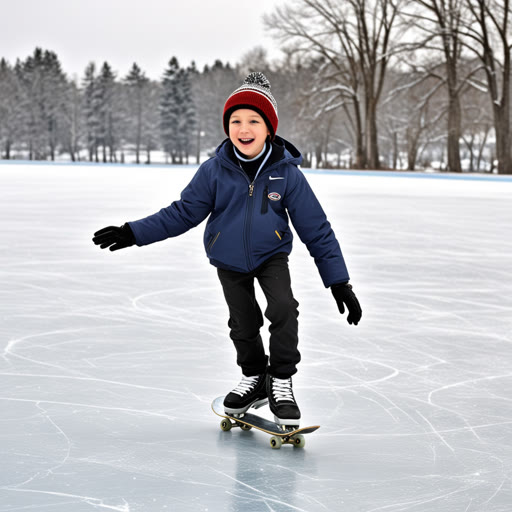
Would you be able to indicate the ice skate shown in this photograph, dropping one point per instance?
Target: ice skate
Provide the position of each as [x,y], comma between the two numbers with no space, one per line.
[250,392]
[282,402]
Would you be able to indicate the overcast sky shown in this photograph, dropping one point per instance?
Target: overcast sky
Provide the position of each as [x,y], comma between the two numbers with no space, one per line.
[121,32]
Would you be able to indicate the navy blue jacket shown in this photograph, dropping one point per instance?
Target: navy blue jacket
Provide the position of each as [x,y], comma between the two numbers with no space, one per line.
[248,222]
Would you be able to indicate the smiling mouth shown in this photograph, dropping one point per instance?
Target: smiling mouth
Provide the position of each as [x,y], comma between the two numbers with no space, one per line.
[246,141]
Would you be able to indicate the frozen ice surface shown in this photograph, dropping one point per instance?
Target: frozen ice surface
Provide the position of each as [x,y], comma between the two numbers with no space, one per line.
[110,360]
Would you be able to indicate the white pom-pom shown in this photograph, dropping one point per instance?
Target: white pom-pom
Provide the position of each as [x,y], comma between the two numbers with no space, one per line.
[257,78]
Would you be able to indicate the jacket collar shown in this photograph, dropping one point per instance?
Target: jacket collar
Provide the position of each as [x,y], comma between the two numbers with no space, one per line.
[290,153]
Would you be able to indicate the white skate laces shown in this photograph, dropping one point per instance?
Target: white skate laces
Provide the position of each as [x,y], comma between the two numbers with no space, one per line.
[282,389]
[246,384]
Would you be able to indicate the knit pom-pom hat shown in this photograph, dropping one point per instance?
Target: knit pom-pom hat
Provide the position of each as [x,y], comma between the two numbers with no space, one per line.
[254,94]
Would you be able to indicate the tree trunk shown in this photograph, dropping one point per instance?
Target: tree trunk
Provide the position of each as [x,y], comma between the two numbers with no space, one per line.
[395,150]
[318,155]
[361,160]
[327,140]
[502,128]
[481,149]
[198,153]
[412,154]
[472,154]
[412,147]
[139,127]
[454,131]
[372,142]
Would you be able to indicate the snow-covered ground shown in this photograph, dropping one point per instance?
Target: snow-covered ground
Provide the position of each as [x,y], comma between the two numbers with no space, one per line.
[110,360]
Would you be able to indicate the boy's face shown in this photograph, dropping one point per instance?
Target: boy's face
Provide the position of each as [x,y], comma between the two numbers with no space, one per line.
[248,131]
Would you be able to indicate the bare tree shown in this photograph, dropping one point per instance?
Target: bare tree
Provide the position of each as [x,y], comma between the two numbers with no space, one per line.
[440,21]
[210,89]
[255,59]
[354,39]
[489,28]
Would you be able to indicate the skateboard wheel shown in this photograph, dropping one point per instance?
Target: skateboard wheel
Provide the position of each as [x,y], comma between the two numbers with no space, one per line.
[226,425]
[243,426]
[276,442]
[299,441]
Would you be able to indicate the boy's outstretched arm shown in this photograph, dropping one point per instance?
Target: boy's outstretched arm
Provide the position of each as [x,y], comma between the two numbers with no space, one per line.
[191,209]
[115,237]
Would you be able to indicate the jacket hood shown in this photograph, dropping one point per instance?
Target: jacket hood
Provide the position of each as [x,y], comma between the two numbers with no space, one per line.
[291,154]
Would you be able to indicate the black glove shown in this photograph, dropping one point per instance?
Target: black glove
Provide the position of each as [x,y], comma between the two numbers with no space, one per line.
[118,238]
[345,296]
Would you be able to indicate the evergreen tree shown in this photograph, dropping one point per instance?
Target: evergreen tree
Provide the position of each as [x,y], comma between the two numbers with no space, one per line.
[43,88]
[170,111]
[187,113]
[197,132]
[32,102]
[137,93]
[151,119]
[91,102]
[9,109]
[107,114]
[71,135]
[55,94]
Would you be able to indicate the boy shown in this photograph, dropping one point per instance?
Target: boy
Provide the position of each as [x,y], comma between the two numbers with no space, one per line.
[249,189]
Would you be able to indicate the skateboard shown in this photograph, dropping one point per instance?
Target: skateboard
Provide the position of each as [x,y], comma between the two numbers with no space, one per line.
[280,433]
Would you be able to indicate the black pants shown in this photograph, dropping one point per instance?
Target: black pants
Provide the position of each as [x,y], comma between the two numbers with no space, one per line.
[245,318]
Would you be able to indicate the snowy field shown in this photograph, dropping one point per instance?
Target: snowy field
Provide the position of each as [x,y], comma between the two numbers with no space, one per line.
[110,360]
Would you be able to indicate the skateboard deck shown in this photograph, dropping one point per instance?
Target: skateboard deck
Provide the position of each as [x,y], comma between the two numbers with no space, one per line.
[280,434]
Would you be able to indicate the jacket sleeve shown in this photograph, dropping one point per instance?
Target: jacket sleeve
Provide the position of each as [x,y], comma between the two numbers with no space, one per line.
[314,230]
[191,209]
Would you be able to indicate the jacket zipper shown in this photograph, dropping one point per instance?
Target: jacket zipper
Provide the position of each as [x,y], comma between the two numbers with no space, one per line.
[248,222]
[248,217]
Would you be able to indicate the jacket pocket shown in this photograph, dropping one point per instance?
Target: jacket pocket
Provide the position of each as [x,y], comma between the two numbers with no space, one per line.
[279,235]
[212,242]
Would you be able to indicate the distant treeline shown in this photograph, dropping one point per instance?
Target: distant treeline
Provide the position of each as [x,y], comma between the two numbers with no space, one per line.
[351,102]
